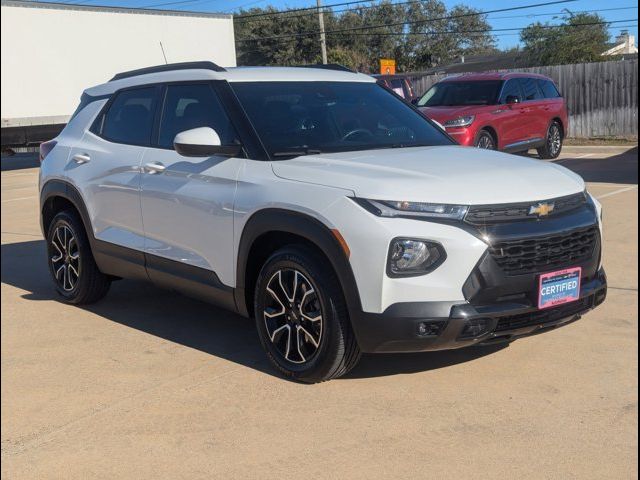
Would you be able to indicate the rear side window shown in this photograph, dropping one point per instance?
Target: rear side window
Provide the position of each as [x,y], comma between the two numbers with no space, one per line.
[398,87]
[193,106]
[530,89]
[548,89]
[129,118]
[510,89]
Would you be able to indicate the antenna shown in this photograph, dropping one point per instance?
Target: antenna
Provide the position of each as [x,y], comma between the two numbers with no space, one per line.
[163,54]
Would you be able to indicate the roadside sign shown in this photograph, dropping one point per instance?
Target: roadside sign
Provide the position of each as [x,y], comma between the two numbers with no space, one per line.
[387,66]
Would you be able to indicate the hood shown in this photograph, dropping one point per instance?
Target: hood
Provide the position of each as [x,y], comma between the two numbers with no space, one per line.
[442,114]
[449,174]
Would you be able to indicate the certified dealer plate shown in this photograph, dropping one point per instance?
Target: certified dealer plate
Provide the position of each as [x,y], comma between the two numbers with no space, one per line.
[559,287]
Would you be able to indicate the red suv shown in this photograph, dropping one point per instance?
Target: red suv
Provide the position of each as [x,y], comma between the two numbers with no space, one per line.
[504,111]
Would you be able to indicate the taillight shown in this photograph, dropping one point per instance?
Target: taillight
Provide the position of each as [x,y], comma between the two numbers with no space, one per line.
[45,148]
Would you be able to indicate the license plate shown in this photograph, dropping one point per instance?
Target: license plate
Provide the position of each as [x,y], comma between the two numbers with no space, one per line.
[559,287]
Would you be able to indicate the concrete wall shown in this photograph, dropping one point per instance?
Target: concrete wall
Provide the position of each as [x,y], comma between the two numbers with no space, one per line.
[50,54]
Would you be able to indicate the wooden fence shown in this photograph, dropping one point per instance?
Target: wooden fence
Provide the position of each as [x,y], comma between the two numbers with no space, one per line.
[602,98]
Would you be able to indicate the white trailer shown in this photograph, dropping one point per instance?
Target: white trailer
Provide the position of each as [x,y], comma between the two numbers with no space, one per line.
[52,52]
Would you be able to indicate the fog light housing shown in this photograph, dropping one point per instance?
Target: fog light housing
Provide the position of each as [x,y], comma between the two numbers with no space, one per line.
[411,257]
[430,329]
[476,327]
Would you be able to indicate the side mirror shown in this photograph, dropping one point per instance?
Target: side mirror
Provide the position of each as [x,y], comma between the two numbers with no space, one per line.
[511,99]
[414,100]
[203,142]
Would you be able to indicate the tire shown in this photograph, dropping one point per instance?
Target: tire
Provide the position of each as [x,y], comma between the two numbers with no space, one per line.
[485,141]
[73,269]
[552,143]
[298,301]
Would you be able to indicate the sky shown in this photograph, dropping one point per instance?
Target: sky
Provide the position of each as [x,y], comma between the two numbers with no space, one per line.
[625,9]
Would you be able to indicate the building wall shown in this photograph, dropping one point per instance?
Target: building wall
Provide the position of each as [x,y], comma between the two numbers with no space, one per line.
[51,54]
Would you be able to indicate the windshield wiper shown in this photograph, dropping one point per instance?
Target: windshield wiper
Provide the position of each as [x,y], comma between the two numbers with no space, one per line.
[296,153]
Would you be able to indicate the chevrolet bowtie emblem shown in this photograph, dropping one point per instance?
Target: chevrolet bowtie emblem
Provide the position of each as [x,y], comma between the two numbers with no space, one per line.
[542,209]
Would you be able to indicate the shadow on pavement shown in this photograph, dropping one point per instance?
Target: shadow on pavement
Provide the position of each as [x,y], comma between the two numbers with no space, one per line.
[19,161]
[622,168]
[195,324]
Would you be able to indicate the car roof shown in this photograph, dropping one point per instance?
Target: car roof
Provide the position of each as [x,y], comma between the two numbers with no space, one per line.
[476,77]
[234,74]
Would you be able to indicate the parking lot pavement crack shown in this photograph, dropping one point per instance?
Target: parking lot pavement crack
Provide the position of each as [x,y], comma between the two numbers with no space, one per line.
[624,289]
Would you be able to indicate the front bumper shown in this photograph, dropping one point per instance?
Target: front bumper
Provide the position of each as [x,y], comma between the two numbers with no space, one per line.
[447,325]
[465,136]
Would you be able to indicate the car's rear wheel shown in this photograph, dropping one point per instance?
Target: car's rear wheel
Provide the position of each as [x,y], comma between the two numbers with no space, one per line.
[301,317]
[553,143]
[485,140]
[73,269]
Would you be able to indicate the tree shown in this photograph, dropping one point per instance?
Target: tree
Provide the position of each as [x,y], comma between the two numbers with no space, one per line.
[432,36]
[571,42]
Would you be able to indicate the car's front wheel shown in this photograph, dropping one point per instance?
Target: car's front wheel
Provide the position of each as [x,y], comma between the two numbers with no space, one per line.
[302,318]
[73,269]
[486,141]
[553,143]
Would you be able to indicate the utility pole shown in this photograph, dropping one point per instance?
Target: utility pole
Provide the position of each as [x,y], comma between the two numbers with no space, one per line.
[323,37]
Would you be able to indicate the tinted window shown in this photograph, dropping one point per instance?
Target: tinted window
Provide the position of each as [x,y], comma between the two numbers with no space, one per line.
[461,93]
[193,106]
[548,89]
[511,88]
[397,87]
[301,117]
[530,89]
[130,117]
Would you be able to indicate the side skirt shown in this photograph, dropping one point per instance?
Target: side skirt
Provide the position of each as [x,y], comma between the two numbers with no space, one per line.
[524,145]
[195,282]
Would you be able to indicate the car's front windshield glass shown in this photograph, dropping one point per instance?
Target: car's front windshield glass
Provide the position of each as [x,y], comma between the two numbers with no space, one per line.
[459,93]
[297,118]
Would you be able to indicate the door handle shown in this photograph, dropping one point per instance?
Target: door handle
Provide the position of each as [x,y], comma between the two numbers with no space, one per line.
[155,167]
[81,158]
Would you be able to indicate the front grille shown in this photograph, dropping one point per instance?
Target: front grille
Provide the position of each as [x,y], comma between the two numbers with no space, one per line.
[514,212]
[538,254]
[542,317]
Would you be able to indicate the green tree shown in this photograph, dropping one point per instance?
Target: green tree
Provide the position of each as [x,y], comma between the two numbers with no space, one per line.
[424,42]
[571,42]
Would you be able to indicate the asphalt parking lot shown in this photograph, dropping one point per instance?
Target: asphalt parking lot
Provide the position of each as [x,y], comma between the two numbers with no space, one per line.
[149,384]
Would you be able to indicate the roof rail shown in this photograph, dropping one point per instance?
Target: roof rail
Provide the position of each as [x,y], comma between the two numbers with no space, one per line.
[205,65]
[329,66]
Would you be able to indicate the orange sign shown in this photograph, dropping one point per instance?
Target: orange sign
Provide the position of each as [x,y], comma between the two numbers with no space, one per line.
[387,66]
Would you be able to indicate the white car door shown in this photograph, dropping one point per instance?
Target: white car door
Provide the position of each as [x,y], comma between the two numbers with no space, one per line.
[105,166]
[187,202]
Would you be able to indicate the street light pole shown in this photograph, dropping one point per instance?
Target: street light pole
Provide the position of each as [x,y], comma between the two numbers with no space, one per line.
[323,37]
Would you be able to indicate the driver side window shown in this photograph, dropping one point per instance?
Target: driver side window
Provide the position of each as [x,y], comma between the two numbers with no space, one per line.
[511,88]
[193,106]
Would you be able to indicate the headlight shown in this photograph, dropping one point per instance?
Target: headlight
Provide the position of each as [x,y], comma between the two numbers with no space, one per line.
[411,257]
[389,208]
[460,121]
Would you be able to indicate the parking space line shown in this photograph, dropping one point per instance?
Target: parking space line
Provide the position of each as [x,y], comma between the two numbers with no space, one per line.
[616,192]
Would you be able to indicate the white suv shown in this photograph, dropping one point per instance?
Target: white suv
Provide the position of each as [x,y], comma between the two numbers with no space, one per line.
[319,203]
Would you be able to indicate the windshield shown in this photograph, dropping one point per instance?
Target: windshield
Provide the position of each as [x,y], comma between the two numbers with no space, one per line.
[461,93]
[297,118]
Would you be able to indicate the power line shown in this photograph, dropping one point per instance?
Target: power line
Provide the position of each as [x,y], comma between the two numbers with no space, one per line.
[416,22]
[281,12]
[515,29]
[166,4]
[242,20]
[460,32]
[501,34]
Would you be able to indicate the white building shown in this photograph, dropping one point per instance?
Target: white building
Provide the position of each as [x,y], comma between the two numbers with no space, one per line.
[52,52]
[625,44]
